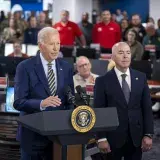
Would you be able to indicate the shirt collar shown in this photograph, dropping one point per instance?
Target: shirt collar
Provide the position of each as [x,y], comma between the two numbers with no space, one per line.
[45,62]
[119,73]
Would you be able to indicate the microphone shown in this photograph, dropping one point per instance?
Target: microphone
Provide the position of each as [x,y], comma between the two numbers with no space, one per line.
[82,94]
[70,97]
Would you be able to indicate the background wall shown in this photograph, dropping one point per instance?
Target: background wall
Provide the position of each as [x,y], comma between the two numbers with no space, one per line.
[131,6]
[155,9]
[75,7]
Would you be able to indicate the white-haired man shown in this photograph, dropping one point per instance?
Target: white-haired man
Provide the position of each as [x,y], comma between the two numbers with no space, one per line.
[39,86]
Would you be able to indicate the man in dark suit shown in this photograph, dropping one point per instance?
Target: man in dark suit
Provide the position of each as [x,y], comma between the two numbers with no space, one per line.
[39,86]
[127,90]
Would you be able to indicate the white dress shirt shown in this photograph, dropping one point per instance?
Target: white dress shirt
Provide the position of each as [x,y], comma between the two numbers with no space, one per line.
[45,67]
[128,80]
[119,76]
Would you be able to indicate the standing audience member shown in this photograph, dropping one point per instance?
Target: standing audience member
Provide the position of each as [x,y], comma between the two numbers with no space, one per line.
[86,27]
[135,46]
[69,30]
[124,25]
[30,34]
[9,33]
[107,32]
[137,26]
[119,16]
[42,21]
[127,90]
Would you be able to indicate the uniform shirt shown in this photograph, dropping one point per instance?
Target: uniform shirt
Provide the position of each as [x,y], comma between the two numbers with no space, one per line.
[68,33]
[106,34]
[78,80]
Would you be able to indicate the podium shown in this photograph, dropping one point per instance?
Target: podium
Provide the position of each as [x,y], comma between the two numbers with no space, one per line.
[56,125]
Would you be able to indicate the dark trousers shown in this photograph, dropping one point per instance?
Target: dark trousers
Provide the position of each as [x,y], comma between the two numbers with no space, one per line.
[128,151]
[45,155]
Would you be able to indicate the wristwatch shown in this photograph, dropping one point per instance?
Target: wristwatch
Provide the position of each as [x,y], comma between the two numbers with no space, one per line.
[149,135]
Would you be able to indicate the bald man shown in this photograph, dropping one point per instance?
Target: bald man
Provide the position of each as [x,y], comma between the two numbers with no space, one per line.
[39,86]
[84,75]
[127,90]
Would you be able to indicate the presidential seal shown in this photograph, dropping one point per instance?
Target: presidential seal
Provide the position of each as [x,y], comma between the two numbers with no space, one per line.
[83,119]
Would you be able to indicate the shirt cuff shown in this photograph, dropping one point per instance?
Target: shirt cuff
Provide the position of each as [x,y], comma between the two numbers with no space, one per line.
[41,107]
[102,140]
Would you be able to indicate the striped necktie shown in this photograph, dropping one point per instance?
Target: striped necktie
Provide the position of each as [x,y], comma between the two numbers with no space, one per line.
[51,80]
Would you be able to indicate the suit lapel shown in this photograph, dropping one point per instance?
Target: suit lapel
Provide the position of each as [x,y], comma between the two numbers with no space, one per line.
[60,75]
[133,86]
[41,74]
[116,87]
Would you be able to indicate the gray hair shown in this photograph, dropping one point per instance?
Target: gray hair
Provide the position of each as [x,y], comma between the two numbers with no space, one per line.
[115,46]
[45,32]
[80,58]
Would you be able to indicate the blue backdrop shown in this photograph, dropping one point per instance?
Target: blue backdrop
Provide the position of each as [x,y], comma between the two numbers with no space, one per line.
[29,5]
[131,6]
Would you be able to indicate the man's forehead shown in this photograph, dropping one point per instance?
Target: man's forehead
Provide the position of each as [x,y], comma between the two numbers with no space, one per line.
[83,60]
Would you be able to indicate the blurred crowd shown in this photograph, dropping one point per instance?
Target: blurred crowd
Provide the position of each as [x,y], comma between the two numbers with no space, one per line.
[107,30]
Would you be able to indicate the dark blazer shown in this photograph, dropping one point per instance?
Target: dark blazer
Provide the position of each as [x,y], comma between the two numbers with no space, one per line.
[31,87]
[134,117]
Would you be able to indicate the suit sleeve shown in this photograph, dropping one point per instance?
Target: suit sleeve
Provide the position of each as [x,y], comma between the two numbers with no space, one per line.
[100,99]
[22,102]
[147,110]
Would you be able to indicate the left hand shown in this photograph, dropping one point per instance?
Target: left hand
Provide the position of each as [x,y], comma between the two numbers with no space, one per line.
[146,144]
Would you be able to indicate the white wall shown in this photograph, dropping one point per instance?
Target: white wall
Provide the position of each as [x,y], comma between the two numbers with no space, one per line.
[75,7]
[155,10]
[5,6]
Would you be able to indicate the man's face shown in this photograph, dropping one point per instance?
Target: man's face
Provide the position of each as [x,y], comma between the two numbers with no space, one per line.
[50,47]
[33,22]
[64,16]
[85,17]
[17,48]
[84,67]
[150,31]
[106,16]
[136,20]
[122,57]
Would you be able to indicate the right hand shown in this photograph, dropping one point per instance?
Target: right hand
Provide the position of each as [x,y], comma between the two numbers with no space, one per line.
[51,101]
[104,147]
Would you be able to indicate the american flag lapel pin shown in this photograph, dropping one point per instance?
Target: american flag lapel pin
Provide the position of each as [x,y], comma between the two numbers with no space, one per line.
[136,78]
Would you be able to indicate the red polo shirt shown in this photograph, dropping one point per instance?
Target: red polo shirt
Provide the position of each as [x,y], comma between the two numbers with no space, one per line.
[106,34]
[68,33]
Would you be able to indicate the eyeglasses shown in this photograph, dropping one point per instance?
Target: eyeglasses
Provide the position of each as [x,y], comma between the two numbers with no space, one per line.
[83,65]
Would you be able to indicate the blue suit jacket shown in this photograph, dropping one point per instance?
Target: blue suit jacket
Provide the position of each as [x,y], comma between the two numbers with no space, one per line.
[31,87]
[134,117]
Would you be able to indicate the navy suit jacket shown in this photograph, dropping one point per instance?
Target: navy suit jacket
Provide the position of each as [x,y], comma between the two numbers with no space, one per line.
[31,87]
[135,118]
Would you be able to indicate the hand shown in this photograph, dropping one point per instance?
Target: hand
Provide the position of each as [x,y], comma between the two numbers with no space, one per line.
[51,101]
[104,147]
[146,144]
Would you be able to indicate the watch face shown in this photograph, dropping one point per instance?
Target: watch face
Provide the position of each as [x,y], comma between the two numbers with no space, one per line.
[10,100]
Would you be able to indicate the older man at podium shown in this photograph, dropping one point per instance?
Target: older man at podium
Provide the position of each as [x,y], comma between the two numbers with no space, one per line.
[39,86]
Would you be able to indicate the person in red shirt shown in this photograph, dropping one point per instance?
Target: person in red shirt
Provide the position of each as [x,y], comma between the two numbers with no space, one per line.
[18,51]
[69,30]
[106,33]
